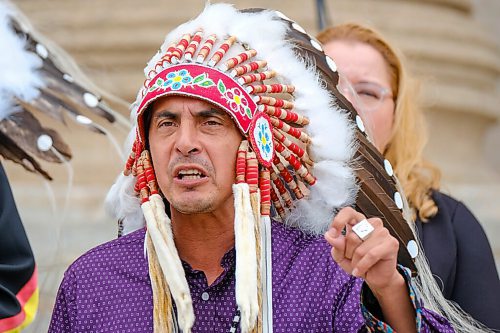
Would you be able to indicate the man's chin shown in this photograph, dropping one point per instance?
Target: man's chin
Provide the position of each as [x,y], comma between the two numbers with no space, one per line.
[192,206]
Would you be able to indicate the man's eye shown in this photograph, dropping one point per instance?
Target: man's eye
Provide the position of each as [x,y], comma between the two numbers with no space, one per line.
[166,124]
[213,123]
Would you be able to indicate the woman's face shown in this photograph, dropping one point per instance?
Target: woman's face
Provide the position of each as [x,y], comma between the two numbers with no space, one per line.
[366,83]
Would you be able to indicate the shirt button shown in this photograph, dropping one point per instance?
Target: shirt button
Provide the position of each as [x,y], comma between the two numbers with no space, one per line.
[205,296]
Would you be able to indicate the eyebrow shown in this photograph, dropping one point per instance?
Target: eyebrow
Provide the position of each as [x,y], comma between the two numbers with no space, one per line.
[202,114]
[211,112]
[370,81]
[165,114]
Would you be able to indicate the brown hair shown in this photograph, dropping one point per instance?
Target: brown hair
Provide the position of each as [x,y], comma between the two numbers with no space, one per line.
[417,176]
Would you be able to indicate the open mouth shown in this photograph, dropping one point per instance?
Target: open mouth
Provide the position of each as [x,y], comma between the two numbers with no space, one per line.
[190,174]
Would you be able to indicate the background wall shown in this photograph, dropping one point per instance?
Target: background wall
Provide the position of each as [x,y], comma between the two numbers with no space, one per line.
[451,44]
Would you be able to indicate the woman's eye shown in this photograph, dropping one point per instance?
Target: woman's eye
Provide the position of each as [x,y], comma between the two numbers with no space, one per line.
[368,93]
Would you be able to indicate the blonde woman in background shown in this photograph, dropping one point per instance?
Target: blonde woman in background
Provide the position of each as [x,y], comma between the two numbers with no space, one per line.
[374,80]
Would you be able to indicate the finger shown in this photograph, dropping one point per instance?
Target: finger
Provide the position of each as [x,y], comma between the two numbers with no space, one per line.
[346,216]
[339,256]
[386,251]
[337,243]
[353,240]
[341,260]
[376,222]
[377,237]
[338,251]
[364,228]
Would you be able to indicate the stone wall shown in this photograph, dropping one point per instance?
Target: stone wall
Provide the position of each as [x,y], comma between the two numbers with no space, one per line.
[112,40]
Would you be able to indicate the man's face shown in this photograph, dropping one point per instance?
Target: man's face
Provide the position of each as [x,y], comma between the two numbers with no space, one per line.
[193,146]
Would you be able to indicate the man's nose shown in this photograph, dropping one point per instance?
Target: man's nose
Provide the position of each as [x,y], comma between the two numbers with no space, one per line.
[187,141]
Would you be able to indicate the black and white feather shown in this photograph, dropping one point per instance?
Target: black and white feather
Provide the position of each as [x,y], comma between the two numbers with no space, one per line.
[35,80]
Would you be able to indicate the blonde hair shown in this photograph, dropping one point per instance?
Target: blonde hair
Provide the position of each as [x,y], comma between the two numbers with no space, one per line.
[417,176]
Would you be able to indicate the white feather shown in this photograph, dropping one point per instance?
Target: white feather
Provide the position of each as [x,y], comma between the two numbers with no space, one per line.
[18,67]
[332,179]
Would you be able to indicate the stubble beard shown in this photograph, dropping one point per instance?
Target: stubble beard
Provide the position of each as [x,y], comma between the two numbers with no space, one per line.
[204,205]
[182,202]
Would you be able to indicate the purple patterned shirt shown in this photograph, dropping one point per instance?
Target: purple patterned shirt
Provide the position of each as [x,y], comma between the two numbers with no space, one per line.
[108,290]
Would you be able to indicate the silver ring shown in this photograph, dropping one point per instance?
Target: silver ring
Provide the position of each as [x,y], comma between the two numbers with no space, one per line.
[363,229]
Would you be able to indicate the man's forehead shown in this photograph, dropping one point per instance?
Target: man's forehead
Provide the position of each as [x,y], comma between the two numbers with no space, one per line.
[176,105]
[178,101]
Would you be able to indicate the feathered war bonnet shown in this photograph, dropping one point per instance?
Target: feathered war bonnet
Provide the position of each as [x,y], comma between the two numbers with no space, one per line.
[303,158]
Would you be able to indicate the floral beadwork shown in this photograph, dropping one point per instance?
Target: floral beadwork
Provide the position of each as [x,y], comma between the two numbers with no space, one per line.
[262,139]
[235,99]
[180,79]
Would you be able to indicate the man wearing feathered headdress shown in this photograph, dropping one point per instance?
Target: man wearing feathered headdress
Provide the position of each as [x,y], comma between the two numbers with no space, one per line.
[241,159]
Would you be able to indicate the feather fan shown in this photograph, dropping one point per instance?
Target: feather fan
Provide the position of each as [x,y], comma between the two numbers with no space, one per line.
[378,194]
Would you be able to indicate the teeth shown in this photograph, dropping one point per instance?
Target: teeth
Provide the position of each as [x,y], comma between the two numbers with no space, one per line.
[191,177]
[190,174]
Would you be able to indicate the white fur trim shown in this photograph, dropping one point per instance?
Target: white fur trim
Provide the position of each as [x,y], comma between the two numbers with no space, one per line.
[246,261]
[169,260]
[121,202]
